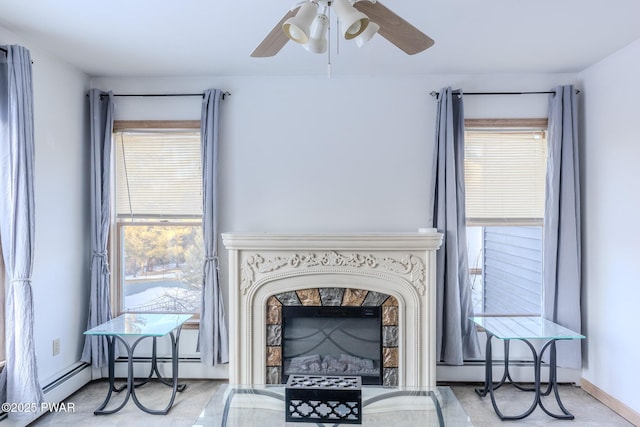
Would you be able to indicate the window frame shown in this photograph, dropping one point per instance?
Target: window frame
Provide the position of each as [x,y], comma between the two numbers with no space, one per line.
[116,224]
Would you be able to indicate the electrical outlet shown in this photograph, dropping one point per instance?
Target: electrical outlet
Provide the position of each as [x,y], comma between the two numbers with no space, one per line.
[56,346]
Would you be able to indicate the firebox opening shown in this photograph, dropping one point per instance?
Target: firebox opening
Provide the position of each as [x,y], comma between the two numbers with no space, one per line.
[332,340]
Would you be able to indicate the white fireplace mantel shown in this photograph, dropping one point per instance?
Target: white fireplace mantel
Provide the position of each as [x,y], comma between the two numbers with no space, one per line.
[398,264]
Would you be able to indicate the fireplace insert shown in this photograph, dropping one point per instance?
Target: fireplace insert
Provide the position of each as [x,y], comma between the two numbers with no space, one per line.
[332,340]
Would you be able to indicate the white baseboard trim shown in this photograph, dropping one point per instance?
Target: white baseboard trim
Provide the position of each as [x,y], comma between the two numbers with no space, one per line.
[61,386]
[614,404]
[521,371]
[188,368]
[67,383]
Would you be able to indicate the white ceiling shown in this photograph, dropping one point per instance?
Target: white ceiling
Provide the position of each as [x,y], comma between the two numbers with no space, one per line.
[216,37]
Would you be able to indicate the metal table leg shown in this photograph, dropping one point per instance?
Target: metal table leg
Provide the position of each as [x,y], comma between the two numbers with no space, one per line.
[131,385]
[154,370]
[489,386]
[174,380]
[553,381]
[111,344]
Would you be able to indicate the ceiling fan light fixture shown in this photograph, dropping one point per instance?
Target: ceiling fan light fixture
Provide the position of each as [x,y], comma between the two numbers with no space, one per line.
[319,27]
[316,45]
[298,28]
[367,34]
[318,36]
[352,21]
[353,17]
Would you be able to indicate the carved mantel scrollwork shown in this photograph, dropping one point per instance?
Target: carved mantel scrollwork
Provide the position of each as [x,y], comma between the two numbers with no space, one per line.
[408,266]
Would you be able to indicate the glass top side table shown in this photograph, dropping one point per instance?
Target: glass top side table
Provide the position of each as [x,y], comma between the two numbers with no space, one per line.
[508,328]
[140,326]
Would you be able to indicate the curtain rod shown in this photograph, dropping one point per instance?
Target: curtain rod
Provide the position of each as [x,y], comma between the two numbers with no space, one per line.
[6,52]
[436,94]
[224,94]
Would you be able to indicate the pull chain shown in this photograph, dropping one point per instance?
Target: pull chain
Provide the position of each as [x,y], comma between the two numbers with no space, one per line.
[329,45]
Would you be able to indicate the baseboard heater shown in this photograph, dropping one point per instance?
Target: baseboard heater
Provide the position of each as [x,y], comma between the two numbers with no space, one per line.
[58,389]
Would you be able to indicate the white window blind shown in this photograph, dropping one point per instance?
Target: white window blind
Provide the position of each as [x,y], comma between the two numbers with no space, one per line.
[158,174]
[505,176]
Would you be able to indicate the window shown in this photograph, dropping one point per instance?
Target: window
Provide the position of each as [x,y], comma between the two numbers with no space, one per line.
[158,213]
[505,169]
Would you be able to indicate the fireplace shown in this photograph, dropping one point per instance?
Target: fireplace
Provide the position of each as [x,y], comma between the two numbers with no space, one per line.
[389,277]
[332,341]
[317,306]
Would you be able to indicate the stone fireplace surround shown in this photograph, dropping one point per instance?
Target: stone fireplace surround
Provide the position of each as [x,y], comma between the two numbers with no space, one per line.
[323,297]
[400,265]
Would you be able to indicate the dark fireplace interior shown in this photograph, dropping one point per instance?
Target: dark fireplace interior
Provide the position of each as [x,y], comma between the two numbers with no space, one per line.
[332,340]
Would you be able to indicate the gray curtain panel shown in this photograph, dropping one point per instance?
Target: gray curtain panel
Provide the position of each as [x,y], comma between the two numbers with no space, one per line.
[20,382]
[101,115]
[456,335]
[562,241]
[213,340]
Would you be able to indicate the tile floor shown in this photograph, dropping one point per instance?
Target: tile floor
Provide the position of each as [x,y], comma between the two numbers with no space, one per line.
[588,411]
[188,405]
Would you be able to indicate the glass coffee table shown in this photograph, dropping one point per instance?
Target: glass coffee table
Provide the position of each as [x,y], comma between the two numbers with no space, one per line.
[264,405]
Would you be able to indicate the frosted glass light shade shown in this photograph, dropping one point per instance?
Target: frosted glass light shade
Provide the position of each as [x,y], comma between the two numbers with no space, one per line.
[298,28]
[366,35]
[318,39]
[316,45]
[352,21]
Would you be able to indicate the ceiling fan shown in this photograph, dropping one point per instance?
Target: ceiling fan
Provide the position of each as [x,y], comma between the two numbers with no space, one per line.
[307,24]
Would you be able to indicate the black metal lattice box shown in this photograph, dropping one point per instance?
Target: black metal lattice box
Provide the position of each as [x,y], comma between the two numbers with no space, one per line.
[318,399]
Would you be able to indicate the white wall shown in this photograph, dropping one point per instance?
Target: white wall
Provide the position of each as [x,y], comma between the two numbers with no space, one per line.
[60,273]
[303,154]
[313,154]
[611,230]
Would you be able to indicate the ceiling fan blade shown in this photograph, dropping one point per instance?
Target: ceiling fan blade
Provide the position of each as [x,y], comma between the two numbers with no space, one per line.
[275,40]
[395,29]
